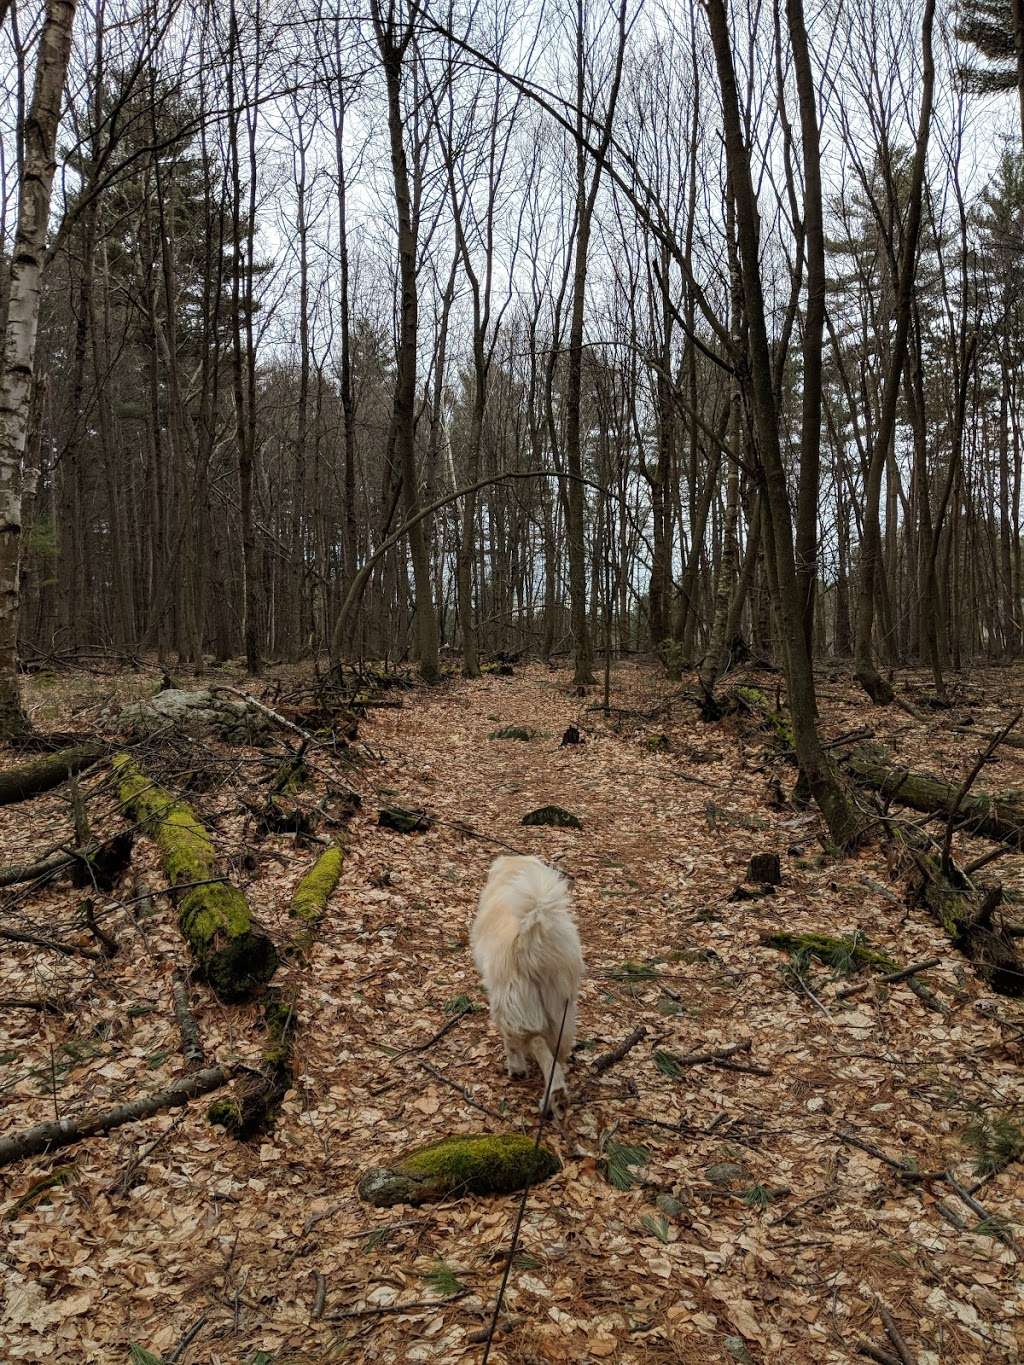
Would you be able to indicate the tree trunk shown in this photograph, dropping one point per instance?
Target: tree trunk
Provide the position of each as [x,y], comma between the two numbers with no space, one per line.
[17,364]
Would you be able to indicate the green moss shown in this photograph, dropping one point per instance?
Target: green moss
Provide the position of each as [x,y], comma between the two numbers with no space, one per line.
[482,1164]
[312,893]
[520,732]
[841,954]
[214,917]
[757,701]
[59,1176]
[225,1113]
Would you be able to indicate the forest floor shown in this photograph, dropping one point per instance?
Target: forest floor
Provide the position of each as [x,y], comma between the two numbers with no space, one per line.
[776,1239]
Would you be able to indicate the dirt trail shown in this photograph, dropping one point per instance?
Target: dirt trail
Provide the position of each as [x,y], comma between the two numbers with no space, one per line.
[773,1237]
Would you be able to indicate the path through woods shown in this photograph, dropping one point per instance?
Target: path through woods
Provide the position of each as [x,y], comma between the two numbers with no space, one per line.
[764,1218]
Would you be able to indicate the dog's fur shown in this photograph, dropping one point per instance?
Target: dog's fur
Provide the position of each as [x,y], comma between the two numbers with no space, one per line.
[527,950]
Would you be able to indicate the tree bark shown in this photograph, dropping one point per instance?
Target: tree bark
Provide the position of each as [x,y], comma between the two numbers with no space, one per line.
[17,364]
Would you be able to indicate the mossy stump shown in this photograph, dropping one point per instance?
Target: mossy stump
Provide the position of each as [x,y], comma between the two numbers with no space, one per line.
[252,1106]
[553,815]
[234,955]
[402,821]
[479,1163]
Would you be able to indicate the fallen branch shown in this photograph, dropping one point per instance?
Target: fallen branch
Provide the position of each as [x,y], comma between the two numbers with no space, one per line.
[44,1006]
[890,978]
[56,945]
[47,1137]
[894,1335]
[435,1038]
[608,1059]
[28,872]
[965,787]
[718,1055]
[421,1306]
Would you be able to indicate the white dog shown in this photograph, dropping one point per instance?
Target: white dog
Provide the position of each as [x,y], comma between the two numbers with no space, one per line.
[527,950]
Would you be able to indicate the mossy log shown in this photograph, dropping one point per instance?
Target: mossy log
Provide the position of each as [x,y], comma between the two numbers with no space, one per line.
[402,821]
[480,1163]
[850,955]
[234,955]
[991,815]
[253,1104]
[524,733]
[41,774]
[309,900]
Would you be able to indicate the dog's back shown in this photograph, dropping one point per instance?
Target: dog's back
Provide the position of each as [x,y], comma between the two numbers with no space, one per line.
[526,946]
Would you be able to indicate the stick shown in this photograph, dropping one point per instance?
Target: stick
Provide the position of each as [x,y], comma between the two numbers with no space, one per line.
[422,1047]
[187,1339]
[889,978]
[68,949]
[719,1055]
[447,1080]
[46,1137]
[906,1172]
[28,872]
[894,1335]
[419,1307]
[14,1003]
[999,1232]
[319,1297]
[126,1179]
[608,1059]
[107,942]
[867,1348]
[191,1046]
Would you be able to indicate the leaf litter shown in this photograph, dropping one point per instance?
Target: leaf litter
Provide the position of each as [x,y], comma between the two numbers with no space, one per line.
[789,1261]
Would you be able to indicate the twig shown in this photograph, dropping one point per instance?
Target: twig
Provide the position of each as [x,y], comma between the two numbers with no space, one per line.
[191,1045]
[68,949]
[126,1179]
[419,1307]
[999,1232]
[873,1352]
[422,1047]
[967,784]
[905,1171]
[187,1339]
[889,978]
[718,1055]
[319,1297]
[447,1080]
[109,944]
[608,1059]
[894,1334]
[15,1003]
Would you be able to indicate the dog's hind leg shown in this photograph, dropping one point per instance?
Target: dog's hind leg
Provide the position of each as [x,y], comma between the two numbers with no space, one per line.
[516,1060]
[558,1100]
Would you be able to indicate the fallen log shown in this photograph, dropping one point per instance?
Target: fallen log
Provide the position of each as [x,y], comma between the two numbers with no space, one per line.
[990,815]
[47,1137]
[963,909]
[28,872]
[41,774]
[235,956]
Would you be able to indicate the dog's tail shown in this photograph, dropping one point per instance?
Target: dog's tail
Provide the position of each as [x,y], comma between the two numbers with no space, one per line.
[540,892]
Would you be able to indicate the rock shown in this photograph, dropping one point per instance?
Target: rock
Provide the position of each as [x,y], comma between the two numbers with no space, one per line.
[552,815]
[737,1348]
[480,1163]
[194,713]
[572,736]
[658,744]
[725,1173]
[403,821]
[765,868]
[521,732]
[670,1206]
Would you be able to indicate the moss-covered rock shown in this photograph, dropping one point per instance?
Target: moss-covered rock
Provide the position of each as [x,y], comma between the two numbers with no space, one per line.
[484,1163]
[841,954]
[521,732]
[252,1106]
[236,957]
[553,815]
